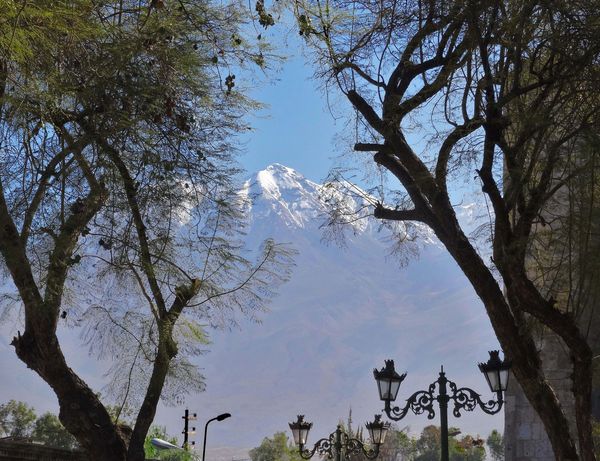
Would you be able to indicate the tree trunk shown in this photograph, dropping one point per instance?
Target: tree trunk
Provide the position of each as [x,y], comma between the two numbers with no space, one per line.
[81,412]
[582,389]
[518,344]
[167,350]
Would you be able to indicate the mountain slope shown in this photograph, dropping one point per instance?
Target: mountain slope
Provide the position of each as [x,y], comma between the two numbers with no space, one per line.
[344,311]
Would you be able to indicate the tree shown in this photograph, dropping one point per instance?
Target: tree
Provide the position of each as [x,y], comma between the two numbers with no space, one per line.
[276,448]
[511,91]
[118,197]
[49,431]
[170,455]
[16,419]
[429,444]
[466,449]
[398,446]
[496,444]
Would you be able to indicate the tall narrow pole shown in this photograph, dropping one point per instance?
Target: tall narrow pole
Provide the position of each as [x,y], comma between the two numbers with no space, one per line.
[443,401]
[338,443]
[216,418]
[186,418]
[205,431]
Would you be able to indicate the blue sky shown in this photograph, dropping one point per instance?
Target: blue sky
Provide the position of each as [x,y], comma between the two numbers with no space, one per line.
[296,128]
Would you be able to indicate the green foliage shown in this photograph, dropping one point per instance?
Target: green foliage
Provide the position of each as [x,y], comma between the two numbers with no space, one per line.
[467,449]
[429,443]
[49,431]
[596,437]
[397,445]
[495,442]
[152,452]
[276,448]
[119,415]
[16,419]
[30,29]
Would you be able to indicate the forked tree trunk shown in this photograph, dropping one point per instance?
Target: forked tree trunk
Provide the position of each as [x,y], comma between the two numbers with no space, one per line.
[81,412]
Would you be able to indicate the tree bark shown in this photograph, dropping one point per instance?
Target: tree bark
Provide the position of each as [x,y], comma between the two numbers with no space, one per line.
[519,345]
[167,350]
[81,412]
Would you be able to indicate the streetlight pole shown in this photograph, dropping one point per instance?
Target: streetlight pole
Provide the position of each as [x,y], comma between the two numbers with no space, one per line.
[443,400]
[388,382]
[216,418]
[339,444]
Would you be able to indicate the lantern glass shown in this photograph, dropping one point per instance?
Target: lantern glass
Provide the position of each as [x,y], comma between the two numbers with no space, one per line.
[493,379]
[394,388]
[388,381]
[375,435]
[377,430]
[296,435]
[300,429]
[303,435]
[384,388]
[496,372]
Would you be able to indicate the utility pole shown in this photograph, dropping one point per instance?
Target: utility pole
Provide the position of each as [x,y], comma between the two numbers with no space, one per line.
[186,428]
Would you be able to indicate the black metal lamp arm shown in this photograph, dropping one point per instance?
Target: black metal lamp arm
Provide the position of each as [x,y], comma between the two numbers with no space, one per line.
[467,399]
[355,447]
[323,446]
[339,443]
[420,402]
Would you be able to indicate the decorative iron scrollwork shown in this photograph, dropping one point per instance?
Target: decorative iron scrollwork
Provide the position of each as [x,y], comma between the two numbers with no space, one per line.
[420,402]
[464,399]
[467,399]
[338,443]
[356,447]
[324,447]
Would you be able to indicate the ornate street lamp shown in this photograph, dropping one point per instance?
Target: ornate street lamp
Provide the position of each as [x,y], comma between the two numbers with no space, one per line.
[339,444]
[495,372]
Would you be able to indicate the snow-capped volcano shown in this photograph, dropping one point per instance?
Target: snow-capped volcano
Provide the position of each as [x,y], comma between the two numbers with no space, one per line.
[281,191]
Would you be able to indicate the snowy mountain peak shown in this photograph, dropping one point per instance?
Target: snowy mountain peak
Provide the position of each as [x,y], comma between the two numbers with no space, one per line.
[282,191]
[277,181]
[290,201]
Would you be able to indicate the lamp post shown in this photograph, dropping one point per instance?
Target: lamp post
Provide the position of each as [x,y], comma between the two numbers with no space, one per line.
[216,418]
[496,374]
[339,444]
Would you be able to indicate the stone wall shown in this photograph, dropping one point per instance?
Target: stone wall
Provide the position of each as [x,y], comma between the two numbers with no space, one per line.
[11,450]
[524,435]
